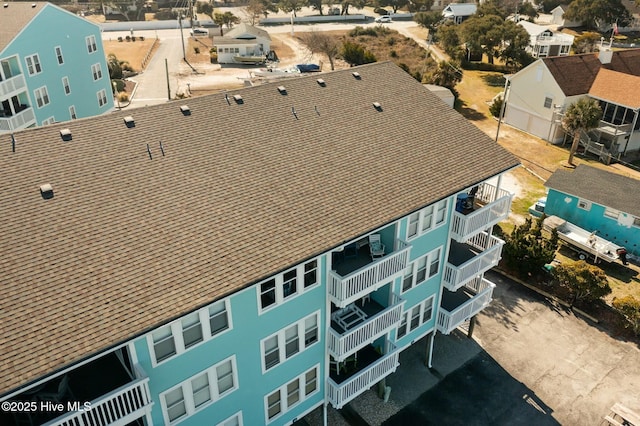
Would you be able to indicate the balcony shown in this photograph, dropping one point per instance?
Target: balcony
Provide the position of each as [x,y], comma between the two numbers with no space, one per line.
[355,327]
[493,207]
[349,382]
[458,307]
[356,274]
[11,85]
[469,261]
[118,393]
[20,120]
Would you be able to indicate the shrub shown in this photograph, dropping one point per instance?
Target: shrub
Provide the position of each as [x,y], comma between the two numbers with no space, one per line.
[584,282]
[355,54]
[120,39]
[391,41]
[361,31]
[123,97]
[629,307]
[196,49]
[496,107]
[526,250]
[380,11]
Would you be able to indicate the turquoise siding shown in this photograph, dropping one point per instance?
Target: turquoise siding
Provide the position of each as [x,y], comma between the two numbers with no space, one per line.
[51,28]
[244,341]
[620,232]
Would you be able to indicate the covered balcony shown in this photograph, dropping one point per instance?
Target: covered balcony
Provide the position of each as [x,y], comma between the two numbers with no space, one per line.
[356,273]
[11,85]
[359,324]
[458,307]
[118,394]
[479,211]
[15,114]
[365,368]
[470,260]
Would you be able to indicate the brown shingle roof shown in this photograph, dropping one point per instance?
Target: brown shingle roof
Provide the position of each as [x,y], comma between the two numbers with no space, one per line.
[599,186]
[576,73]
[15,17]
[243,191]
[617,87]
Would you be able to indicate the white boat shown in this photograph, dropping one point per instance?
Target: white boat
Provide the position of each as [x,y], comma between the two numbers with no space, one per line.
[249,59]
[583,241]
[277,72]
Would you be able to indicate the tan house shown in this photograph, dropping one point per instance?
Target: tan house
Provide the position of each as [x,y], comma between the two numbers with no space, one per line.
[538,95]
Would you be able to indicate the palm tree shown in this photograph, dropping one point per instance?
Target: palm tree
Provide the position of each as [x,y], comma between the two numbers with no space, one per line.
[581,116]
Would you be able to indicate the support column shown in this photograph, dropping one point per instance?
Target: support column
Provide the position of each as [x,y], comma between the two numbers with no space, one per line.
[430,349]
[472,324]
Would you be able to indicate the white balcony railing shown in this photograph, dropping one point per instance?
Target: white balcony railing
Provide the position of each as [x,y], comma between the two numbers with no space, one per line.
[21,120]
[347,289]
[464,227]
[449,321]
[11,85]
[117,408]
[343,345]
[340,394]
[457,276]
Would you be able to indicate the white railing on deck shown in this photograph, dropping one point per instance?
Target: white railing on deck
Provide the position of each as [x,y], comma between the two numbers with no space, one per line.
[117,408]
[464,227]
[341,394]
[18,121]
[12,84]
[347,289]
[488,193]
[343,345]
[457,276]
[449,321]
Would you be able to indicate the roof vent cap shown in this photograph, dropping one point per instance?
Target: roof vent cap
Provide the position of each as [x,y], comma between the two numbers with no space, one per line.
[238,99]
[128,121]
[356,75]
[6,5]
[33,5]
[282,90]
[321,82]
[65,134]
[377,106]
[46,190]
[185,110]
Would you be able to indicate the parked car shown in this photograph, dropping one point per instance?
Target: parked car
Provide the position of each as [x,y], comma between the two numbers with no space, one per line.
[199,32]
[383,19]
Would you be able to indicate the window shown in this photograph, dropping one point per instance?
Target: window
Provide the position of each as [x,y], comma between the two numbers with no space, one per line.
[427,219]
[421,269]
[564,50]
[91,44]
[65,85]
[187,332]
[200,390]
[33,64]
[418,315]
[59,55]
[102,97]
[611,213]
[292,340]
[288,284]
[96,70]
[235,420]
[548,102]
[584,205]
[291,394]
[636,221]
[42,96]
[72,112]
[48,121]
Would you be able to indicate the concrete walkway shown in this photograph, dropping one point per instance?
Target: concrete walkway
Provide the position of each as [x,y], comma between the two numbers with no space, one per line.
[530,362]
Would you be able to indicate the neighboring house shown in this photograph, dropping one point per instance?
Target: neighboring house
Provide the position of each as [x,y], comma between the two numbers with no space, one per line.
[170,274]
[52,67]
[557,17]
[544,42]
[459,12]
[597,200]
[538,95]
[243,44]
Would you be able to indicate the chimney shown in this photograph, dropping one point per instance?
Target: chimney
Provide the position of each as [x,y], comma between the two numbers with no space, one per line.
[605,55]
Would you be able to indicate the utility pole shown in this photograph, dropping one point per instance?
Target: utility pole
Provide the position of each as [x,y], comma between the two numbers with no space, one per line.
[184,53]
[166,70]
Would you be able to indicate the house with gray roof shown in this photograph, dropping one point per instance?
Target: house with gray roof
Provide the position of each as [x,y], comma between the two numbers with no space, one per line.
[597,200]
[155,272]
[459,12]
[244,44]
[538,95]
[53,67]
[545,42]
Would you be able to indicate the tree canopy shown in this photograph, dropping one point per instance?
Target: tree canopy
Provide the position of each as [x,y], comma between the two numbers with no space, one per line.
[581,116]
[319,42]
[596,13]
[584,282]
[526,250]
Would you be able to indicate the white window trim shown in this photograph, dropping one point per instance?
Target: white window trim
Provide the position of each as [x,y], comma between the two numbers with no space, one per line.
[176,332]
[431,257]
[586,204]
[92,45]
[96,71]
[636,221]
[280,335]
[61,55]
[72,112]
[237,416]
[64,86]
[187,391]
[612,214]
[407,316]
[280,284]
[40,93]
[48,121]
[284,407]
[33,63]
[424,228]
[102,98]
